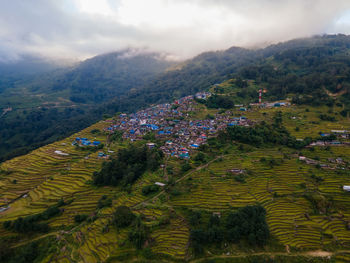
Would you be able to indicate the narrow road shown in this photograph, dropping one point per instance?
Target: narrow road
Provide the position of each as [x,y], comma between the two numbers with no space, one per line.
[178,180]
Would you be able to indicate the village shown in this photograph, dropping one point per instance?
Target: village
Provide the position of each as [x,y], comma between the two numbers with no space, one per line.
[173,123]
[182,134]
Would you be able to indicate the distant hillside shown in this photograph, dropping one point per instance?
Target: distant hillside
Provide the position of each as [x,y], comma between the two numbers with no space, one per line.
[27,65]
[102,77]
[23,69]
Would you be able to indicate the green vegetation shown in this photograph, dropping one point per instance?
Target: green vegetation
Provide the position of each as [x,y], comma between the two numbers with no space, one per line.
[32,223]
[80,218]
[150,189]
[123,217]
[130,164]
[263,134]
[33,252]
[104,201]
[139,234]
[218,101]
[248,223]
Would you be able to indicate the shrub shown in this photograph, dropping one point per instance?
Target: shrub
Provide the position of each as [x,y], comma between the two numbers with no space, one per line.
[80,218]
[104,202]
[150,189]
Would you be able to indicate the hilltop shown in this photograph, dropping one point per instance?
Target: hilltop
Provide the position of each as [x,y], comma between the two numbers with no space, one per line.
[178,182]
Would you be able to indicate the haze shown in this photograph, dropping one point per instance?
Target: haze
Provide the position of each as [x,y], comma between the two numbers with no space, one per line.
[79,29]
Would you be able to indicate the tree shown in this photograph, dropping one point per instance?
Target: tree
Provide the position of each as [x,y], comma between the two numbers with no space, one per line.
[139,234]
[123,217]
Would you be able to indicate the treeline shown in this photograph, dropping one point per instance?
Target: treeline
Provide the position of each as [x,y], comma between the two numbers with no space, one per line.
[247,224]
[128,166]
[218,101]
[33,223]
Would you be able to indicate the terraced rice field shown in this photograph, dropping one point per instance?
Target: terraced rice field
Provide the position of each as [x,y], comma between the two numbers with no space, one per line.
[172,240]
[43,177]
[31,183]
[278,189]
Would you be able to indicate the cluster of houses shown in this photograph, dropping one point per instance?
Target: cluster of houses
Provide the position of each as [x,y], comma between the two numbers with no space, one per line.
[102,155]
[85,142]
[335,163]
[326,143]
[276,104]
[340,138]
[341,134]
[173,123]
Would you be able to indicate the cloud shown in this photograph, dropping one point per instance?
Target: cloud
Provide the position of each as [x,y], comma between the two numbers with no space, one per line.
[83,28]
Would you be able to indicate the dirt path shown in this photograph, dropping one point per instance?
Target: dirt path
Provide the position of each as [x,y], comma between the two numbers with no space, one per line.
[317,253]
[4,111]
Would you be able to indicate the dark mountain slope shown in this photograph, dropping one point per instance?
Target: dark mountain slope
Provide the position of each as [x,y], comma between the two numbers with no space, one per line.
[102,77]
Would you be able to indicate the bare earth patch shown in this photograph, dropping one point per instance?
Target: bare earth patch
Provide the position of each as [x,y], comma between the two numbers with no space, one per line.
[319,253]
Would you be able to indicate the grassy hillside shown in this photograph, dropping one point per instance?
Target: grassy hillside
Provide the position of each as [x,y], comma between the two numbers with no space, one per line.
[307,211]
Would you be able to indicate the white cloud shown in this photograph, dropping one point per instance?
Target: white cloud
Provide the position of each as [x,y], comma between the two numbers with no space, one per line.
[83,28]
[99,7]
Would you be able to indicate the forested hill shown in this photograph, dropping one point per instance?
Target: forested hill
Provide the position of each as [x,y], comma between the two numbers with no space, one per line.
[102,77]
[313,70]
[308,69]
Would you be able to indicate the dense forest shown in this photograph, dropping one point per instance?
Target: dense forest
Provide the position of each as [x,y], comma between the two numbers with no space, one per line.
[310,71]
[130,164]
[247,224]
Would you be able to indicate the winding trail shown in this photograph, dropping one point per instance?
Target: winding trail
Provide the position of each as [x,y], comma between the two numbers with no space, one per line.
[177,181]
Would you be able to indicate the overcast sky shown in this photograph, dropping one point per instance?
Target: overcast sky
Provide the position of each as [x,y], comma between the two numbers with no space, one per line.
[80,29]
